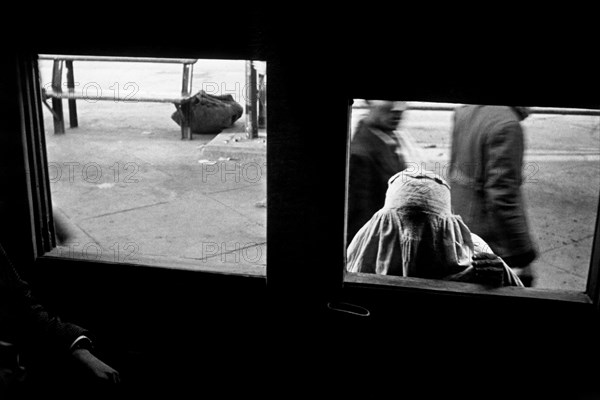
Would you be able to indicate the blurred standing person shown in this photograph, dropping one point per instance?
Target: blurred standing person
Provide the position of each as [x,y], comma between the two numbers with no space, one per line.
[377,152]
[486,176]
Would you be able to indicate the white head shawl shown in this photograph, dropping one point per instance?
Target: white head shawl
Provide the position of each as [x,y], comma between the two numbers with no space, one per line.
[414,234]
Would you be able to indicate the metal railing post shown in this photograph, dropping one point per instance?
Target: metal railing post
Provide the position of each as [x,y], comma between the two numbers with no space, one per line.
[59,120]
[71,88]
[186,90]
[251,100]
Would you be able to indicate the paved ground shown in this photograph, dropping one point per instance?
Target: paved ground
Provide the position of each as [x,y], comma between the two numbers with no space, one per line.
[134,191]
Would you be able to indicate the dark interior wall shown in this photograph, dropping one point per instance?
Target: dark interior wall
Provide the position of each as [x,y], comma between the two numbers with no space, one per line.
[13,195]
[181,328]
[177,330]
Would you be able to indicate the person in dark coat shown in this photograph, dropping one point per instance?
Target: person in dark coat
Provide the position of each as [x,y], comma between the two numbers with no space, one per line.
[375,156]
[486,175]
[26,325]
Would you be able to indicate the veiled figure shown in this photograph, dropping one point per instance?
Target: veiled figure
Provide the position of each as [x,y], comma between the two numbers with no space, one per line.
[415,234]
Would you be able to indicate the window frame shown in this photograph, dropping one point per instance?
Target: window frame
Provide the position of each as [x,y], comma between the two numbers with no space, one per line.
[39,196]
[332,281]
[591,295]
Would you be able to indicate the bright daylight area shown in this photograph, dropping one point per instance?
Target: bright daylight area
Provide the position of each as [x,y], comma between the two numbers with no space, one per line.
[131,186]
[561,182]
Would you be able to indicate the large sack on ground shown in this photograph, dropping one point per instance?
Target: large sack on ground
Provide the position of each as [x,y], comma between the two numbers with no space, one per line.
[211,113]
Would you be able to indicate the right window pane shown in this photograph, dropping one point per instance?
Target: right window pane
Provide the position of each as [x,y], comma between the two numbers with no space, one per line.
[524,180]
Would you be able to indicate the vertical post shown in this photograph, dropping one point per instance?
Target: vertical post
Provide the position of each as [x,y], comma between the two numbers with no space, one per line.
[71,88]
[251,97]
[186,91]
[186,88]
[59,120]
[262,101]
[185,109]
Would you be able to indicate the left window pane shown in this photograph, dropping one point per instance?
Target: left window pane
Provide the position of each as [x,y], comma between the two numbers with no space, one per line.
[129,186]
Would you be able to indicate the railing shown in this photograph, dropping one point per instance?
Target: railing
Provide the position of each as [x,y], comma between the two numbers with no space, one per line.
[533,110]
[57,94]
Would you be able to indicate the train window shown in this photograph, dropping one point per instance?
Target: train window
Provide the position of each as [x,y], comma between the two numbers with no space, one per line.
[157,161]
[551,173]
[210,205]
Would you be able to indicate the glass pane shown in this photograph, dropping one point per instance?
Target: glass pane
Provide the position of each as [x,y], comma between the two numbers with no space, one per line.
[528,187]
[127,182]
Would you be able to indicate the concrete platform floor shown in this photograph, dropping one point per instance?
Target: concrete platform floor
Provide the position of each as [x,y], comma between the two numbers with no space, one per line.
[135,195]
